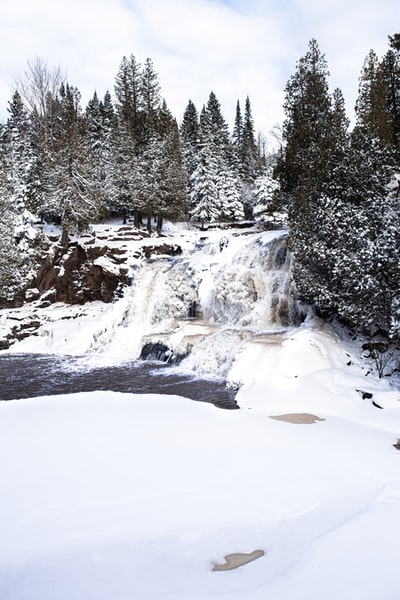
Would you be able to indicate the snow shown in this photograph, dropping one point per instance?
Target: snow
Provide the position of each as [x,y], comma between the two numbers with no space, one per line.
[113,496]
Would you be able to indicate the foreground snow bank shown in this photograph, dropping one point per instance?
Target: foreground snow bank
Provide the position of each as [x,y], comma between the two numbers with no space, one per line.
[118,496]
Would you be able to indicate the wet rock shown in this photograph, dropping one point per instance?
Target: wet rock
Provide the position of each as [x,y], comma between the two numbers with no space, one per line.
[75,278]
[161,352]
[32,294]
[167,249]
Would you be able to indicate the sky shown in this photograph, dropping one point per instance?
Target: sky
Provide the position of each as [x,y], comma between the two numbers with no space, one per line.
[234,48]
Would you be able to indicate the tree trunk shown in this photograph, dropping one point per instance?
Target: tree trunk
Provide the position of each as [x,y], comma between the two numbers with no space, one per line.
[159,224]
[65,236]
[149,223]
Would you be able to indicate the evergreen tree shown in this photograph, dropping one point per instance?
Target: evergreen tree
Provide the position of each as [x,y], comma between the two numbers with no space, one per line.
[124,173]
[307,107]
[217,131]
[128,91]
[17,236]
[390,68]
[237,135]
[343,222]
[99,116]
[18,151]
[204,190]
[74,193]
[249,152]
[151,101]
[266,188]
[189,132]
[371,107]
[230,204]
[303,164]
[162,182]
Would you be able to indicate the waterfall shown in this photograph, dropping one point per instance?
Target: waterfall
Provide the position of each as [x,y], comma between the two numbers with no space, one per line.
[255,288]
[202,305]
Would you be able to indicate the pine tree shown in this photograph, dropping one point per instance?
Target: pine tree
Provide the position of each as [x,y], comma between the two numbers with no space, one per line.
[128,91]
[307,107]
[237,135]
[17,236]
[248,152]
[204,190]
[371,107]
[230,204]
[390,68]
[302,168]
[189,133]
[99,118]
[151,101]
[18,151]
[265,187]
[162,181]
[215,129]
[343,222]
[124,173]
[74,190]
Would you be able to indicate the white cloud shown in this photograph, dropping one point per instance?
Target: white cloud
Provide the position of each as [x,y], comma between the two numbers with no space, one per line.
[233,47]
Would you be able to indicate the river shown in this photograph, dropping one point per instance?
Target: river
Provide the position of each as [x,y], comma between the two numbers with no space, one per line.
[32,375]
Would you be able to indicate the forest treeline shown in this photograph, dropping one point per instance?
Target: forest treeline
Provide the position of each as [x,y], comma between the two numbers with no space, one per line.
[127,154]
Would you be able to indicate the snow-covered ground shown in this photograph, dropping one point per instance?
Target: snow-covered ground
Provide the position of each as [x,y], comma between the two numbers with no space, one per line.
[117,496]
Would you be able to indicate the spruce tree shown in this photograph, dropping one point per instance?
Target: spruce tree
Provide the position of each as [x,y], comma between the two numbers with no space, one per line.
[204,190]
[248,152]
[307,106]
[18,150]
[237,134]
[390,68]
[99,119]
[124,173]
[189,133]
[371,107]
[303,164]
[216,129]
[343,221]
[128,92]
[74,192]
[17,236]
[151,101]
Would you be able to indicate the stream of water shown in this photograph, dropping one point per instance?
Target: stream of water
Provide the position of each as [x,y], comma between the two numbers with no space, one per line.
[32,375]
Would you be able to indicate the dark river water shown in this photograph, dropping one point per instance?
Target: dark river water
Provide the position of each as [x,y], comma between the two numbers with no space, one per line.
[31,375]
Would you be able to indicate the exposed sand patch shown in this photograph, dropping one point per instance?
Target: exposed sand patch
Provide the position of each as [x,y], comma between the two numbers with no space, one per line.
[297,418]
[237,559]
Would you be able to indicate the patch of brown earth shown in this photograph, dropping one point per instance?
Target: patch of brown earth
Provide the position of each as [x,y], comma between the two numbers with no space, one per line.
[297,418]
[237,559]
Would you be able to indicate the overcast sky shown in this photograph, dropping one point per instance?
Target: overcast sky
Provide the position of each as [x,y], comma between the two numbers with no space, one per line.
[233,47]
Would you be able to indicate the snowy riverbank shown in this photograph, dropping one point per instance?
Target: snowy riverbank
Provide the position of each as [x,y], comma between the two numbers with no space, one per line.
[115,496]
[123,496]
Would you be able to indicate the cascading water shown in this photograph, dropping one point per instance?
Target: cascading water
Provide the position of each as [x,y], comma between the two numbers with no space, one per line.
[202,309]
[205,303]
[254,290]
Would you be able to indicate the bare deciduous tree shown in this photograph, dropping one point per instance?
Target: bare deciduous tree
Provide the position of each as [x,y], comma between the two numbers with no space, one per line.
[38,82]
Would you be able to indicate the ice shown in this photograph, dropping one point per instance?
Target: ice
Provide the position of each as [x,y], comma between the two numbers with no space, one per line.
[116,496]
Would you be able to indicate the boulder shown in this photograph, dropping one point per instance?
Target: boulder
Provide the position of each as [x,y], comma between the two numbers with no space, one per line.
[76,279]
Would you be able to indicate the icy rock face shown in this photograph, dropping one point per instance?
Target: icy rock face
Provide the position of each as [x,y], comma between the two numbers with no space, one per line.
[205,304]
[256,289]
[163,291]
[248,288]
[81,274]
